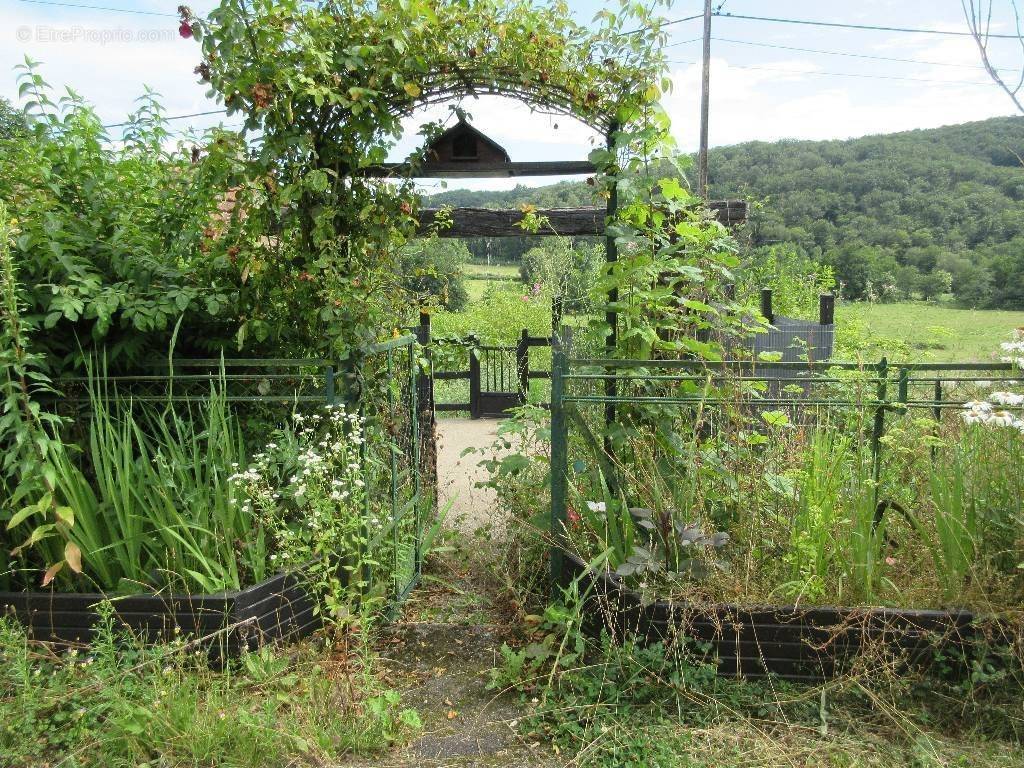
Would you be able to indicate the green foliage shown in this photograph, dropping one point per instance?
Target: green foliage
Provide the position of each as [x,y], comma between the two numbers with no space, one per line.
[307,491]
[326,87]
[12,124]
[669,281]
[945,199]
[664,705]
[563,268]
[28,435]
[121,704]
[955,542]
[433,272]
[150,502]
[500,317]
[111,238]
[819,487]
[796,281]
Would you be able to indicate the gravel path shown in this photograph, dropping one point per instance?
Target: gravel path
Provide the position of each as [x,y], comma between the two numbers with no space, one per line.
[458,475]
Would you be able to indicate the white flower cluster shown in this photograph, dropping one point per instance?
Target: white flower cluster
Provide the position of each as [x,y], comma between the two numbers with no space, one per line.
[306,510]
[995,410]
[1014,350]
[986,411]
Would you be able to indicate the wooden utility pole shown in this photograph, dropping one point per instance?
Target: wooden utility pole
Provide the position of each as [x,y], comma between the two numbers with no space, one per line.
[705,100]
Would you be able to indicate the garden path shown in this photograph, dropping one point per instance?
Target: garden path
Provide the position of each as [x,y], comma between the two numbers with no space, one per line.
[441,651]
[471,507]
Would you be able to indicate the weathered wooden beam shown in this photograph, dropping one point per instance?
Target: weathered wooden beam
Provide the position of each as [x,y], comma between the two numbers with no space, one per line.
[489,222]
[475,170]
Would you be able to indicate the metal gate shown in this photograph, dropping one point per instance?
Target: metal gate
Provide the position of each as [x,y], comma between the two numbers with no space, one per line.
[484,379]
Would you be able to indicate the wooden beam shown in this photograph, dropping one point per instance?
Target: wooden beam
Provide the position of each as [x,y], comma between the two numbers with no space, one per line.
[473,170]
[489,222]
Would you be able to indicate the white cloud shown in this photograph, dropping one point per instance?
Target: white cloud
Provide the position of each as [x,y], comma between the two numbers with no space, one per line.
[765,104]
[107,58]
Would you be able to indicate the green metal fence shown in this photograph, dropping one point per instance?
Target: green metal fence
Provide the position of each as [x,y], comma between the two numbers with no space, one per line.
[383,387]
[388,400]
[589,393]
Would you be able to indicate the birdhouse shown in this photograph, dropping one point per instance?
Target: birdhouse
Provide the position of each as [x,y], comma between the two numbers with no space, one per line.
[464,144]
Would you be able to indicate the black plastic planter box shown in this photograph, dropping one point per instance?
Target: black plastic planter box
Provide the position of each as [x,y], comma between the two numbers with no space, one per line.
[794,643]
[279,607]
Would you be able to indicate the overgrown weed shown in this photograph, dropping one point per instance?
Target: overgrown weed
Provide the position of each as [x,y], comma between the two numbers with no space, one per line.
[121,703]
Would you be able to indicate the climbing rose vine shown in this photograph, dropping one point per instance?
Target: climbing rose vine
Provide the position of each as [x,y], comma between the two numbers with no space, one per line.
[323,89]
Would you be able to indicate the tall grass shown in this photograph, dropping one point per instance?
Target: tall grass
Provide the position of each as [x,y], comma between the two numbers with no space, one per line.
[863,530]
[152,500]
[953,542]
[813,546]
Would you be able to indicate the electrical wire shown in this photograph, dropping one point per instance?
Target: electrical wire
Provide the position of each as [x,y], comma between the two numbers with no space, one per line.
[840,53]
[862,27]
[172,117]
[100,8]
[684,42]
[664,24]
[844,74]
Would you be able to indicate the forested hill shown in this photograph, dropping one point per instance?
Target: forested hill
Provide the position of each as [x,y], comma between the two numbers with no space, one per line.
[916,213]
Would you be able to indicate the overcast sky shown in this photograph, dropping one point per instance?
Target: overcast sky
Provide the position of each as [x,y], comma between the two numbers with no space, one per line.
[758,92]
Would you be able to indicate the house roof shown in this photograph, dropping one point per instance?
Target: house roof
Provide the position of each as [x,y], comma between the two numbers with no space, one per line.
[462,127]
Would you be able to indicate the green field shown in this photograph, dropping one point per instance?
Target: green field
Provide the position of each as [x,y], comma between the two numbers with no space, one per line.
[476,271]
[480,276]
[902,330]
[932,331]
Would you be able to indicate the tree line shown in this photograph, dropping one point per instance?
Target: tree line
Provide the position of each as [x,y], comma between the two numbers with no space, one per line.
[920,214]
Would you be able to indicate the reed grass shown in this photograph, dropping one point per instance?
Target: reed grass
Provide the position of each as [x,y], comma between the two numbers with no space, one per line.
[153,504]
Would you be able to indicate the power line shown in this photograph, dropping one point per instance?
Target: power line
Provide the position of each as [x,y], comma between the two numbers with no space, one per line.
[665,24]
[844,74]
[100,8]
[680,21]
[172,117]
[867,27]
[684,42]
[841,53]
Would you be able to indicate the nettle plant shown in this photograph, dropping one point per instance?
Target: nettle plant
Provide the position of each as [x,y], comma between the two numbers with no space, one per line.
[326,86]
[112,242]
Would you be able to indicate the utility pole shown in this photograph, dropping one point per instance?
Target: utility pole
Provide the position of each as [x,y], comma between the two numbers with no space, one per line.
[705,102]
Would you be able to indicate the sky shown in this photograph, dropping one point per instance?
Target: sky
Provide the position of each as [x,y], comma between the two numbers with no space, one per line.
[761,89]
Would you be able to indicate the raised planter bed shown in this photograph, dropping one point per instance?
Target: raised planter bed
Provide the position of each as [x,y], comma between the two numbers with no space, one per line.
[279,607]
[790,642]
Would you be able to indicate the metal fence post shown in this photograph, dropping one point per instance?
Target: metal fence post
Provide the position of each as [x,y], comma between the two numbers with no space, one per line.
[474,378]
[559,456]
[879,426]
[766,305]
[414,425]
[523,364]
[393,466]
[329,385]
[425,403]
